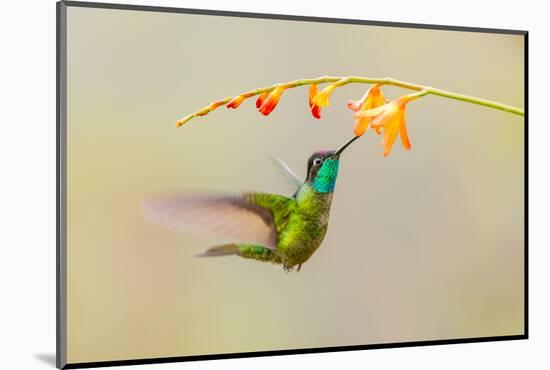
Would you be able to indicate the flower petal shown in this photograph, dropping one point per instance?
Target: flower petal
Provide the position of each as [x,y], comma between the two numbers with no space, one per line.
[391,128]
[389,138]
[235,102]
[271,101]
[202,112]
[261,99]
[215,105]
[403,134]
[374,98]
[322,98]
[371,113]
[371,99]
[354,105]
[361,125]
[314,108]
[316,111]
[312,92]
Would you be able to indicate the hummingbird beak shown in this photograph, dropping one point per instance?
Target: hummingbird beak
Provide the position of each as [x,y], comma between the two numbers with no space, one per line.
[341,149]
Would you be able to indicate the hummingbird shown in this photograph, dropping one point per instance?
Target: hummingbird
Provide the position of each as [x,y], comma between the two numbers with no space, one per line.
[264,227]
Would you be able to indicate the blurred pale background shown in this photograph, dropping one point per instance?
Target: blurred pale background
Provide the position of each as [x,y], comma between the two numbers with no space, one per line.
[426,244]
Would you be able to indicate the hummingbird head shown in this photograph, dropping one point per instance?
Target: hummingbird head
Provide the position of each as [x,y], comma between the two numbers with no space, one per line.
[322,168]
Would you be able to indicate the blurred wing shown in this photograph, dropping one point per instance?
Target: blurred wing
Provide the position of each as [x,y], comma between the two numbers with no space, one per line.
[237,217]
[289,175]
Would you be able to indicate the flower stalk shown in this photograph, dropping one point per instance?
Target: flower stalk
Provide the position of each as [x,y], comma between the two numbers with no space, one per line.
[421,90]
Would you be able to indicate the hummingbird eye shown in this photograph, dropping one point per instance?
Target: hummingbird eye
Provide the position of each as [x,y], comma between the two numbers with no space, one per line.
[317,161]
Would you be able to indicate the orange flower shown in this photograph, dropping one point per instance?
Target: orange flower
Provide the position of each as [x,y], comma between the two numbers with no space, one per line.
[391,118]
[271,101]
[261,99]
[315,109]
[355,105]
[235,102]
[373,98]
[215,105]
[322,98]
[202,112]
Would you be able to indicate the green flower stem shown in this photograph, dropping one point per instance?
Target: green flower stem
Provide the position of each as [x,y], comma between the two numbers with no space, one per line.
[341,81]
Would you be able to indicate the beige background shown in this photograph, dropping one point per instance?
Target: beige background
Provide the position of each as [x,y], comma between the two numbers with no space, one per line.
[426,244]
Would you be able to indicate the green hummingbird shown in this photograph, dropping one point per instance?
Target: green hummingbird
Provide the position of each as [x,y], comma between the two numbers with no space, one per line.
[264,227]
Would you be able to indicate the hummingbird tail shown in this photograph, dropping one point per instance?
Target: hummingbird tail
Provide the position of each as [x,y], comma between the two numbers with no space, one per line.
[220,250]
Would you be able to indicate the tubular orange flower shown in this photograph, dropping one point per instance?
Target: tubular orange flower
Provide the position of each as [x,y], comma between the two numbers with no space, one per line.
[261,99]
[373,98]
[215,105]
[315,109]
[235,102]
[391,118]
[202,112]
[322,98]
[271,101]
[355,105]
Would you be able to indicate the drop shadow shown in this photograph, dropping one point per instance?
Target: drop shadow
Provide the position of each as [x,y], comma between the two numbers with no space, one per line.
[47,358]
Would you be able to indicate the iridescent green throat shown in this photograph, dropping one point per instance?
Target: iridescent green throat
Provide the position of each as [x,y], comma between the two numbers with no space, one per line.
[325,181]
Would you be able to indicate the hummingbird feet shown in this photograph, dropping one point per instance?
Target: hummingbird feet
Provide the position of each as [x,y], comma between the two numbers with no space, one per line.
[288,268]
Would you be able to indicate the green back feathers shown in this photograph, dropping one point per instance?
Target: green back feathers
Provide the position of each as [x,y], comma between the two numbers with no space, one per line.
[280,206]
[325,181]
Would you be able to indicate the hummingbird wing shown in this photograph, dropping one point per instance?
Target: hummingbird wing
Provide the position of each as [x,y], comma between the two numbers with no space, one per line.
[289,175]
[250,218]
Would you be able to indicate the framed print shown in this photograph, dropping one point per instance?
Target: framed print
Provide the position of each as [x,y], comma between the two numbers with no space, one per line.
[237,184]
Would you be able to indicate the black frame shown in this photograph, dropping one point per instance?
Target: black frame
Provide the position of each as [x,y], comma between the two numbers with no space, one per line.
[61,155]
